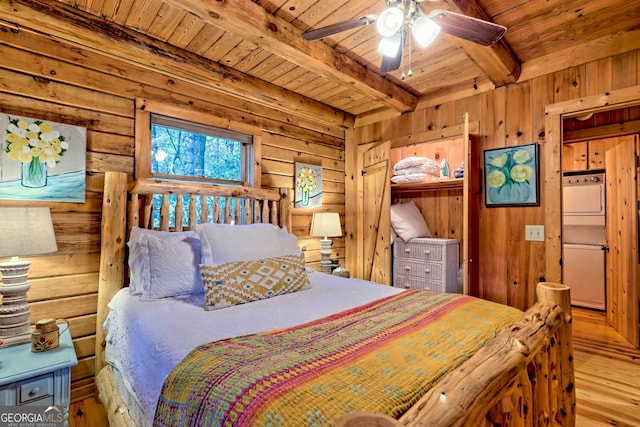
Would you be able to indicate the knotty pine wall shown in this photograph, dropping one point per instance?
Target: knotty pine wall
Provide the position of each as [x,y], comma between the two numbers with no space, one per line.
[509,266]
[46,78]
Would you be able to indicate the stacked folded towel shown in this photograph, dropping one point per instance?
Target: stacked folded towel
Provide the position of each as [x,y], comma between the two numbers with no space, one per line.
[415,169]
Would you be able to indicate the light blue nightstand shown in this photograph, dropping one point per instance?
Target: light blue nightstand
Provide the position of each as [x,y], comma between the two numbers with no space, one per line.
[37,379]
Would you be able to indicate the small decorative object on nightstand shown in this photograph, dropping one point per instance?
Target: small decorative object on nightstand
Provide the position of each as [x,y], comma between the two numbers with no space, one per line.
[40,380]
[341,271]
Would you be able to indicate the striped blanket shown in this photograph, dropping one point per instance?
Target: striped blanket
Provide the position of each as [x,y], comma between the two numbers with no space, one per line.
[379,357]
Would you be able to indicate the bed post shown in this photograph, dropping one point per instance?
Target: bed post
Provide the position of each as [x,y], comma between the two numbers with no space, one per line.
[560,295]
[283,208]
[111,254]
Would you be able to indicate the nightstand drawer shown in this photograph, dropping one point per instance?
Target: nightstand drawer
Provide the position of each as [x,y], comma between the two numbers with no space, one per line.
[35,388]
[420,270]
[417,250]
[409,282]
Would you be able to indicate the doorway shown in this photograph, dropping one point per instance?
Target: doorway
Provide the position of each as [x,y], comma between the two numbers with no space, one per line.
[622,310]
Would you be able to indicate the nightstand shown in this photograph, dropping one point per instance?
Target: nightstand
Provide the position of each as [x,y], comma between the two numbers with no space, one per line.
[37,379]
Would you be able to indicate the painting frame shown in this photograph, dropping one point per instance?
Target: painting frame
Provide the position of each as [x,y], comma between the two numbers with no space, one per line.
[42,160]
[512,176]
[307,186]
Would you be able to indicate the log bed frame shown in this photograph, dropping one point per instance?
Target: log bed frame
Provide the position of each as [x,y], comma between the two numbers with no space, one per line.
[524,377]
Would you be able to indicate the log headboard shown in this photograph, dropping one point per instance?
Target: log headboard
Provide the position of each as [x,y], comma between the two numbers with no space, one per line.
[181,205]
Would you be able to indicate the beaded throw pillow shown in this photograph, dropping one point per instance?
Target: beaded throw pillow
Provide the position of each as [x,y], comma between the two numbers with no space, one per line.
[234,283]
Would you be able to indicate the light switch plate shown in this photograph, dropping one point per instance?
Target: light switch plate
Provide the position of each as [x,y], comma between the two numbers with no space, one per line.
[534,233]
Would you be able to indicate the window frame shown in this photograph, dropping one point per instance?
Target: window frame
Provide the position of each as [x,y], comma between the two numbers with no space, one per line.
[146,108]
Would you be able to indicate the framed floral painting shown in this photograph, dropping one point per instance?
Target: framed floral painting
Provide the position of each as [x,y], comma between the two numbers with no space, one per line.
[42,160]
[308,182]
[511,176]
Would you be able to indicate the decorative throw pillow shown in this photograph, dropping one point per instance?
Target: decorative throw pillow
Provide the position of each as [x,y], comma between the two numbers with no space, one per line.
[408,222]
[234,283]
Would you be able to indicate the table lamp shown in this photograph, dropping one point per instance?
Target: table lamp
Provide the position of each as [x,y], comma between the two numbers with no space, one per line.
[23,231]
[325,224]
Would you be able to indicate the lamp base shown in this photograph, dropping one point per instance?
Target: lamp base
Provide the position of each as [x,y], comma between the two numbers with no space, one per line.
[14,307]
[16,340]
[325,253]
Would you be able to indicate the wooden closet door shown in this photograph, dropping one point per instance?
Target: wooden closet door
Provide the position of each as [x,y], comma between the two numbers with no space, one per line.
[622,239]
[374,247]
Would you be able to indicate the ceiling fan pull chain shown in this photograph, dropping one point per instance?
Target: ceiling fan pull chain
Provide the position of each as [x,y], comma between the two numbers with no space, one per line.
[410,71]
[402,76]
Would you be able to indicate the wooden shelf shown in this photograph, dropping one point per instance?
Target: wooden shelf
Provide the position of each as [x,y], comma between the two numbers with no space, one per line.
[447,184]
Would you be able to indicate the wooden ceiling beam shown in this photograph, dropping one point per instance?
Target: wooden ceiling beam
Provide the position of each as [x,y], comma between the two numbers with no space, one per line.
[498,62]
[66,23]
[252,22]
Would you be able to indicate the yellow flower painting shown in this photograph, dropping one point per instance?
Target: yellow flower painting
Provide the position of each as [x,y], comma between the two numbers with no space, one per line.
[42,160]
[308,186]
[511,177]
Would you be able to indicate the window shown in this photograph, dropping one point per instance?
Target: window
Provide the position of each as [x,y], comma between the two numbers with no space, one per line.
[172,142]
[182,149]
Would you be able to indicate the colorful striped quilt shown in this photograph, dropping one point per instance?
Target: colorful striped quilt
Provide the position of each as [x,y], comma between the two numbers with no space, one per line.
[379,357]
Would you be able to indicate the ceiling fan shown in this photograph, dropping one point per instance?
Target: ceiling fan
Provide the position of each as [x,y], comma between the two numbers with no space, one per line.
[402,17]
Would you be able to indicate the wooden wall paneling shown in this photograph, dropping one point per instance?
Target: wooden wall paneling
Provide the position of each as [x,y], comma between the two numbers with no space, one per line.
[494,244]
[574,156]
[58,81]
[541,95]
[518,131]
[627,68]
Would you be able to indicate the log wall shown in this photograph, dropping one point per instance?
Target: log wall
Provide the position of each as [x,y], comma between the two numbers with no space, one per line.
[45,77]
[509,266]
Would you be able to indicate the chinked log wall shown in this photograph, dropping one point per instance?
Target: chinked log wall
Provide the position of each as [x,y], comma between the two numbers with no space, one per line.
[46,78]
[509,266]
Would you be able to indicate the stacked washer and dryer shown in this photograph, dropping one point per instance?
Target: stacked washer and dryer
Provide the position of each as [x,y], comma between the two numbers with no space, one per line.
[584,237]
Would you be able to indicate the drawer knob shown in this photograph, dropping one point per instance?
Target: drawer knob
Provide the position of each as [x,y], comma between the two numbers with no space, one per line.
[407,268]
[427,252]
[406,285]
[427,270]
[407,250]
[35,391]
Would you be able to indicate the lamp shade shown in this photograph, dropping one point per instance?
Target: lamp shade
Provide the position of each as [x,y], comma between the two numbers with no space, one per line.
[326,224]
[390,21]
[26,231]
[425,30]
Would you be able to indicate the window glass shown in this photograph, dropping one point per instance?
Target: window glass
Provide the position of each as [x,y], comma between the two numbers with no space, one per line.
[191,150]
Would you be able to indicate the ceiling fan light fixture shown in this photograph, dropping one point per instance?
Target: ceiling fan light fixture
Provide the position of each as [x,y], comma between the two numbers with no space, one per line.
[425,30]
[390,21]
[389,46]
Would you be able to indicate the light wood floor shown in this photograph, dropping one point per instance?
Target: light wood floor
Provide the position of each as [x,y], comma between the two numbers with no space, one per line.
[607,374]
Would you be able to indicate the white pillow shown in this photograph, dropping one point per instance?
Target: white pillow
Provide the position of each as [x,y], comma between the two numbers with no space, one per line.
[288,242]
[164,264]
[229,243]
[408,222]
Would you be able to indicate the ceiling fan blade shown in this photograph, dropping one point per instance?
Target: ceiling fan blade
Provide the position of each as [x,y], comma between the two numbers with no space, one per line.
[338,27]
[469,28]
[392,63]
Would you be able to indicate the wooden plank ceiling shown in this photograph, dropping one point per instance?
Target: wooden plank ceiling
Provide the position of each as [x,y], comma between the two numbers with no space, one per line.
[260,39]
